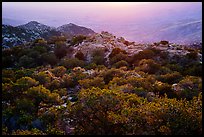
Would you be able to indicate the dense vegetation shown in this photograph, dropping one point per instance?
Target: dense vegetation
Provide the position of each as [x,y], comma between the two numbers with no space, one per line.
[47,91]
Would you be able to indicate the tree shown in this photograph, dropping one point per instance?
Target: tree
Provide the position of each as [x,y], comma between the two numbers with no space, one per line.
[26,61]
[60,50]
[49,58]
[98,56]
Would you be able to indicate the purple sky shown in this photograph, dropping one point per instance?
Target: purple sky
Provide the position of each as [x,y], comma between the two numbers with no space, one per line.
[110,16]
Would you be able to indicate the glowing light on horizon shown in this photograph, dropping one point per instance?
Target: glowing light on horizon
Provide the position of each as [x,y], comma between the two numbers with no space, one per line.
[124,4]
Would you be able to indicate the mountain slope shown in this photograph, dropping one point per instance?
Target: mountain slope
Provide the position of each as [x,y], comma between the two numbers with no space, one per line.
[181,33]
[72,29]
[12,36]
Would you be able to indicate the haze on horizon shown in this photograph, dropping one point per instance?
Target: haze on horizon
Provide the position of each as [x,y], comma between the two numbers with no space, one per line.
[121,18]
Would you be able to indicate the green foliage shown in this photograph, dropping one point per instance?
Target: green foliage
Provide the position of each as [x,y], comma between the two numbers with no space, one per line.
[41,94]
[55,39]
[61,92]
[77,39]
[49,58]
[118,57]
[25,105]
[170,78]
[189,87]
[70,63]
[44,77]
[98,56]
[59,71]
[116,51]
[8,75]
[110,74]
[121,63]
[145,54]
[27,82]
[89,83]
[28,132]
[150,93]
[60,49]
[149,66]
[26,61]
[101,111]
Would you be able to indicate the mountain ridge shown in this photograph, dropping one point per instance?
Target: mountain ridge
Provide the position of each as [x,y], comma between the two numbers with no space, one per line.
[15,35]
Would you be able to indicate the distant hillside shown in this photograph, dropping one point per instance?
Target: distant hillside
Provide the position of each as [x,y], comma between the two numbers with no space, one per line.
[72,29]
[184,33]
[12,36]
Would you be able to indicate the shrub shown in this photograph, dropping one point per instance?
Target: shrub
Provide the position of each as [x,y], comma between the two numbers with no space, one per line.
[145,54]
[77,39]
[118,57]
[189,87]
[26,61]
[49,58]
[110,74]
[170,78]
[89,83]
[59,71]
[72,62]
[102,112]
[149,66]
[120,64]
[60,50]
[28,132]
[98,56]
[116,51]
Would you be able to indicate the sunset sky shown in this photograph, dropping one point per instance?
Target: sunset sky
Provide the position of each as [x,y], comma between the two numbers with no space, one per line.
[111,16]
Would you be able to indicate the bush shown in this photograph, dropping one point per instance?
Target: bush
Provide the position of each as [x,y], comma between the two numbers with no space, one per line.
[110,74]
[98,56]
[116,51]
[170,78]
[49,58]
[26,61]
[149,66]
[121,63]
[59,71]
[145,54]
[60,50]
[89,83]
[72,62]
[77,39]
[189,87]
[102,112]
[28,132]
[118,57]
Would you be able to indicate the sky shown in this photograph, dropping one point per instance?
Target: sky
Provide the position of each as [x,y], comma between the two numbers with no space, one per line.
[111,16]
[55,12]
